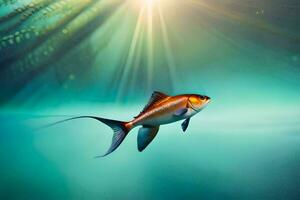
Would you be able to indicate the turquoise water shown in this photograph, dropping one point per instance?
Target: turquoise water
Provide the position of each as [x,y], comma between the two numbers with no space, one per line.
[71,57]
[228,154]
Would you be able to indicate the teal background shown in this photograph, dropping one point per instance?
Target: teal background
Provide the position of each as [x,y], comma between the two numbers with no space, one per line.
[105,58]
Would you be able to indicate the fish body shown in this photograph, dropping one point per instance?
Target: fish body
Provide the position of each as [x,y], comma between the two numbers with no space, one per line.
[161,109]
[164,112]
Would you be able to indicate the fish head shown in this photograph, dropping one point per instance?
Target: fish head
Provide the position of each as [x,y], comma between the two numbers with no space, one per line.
[198,102]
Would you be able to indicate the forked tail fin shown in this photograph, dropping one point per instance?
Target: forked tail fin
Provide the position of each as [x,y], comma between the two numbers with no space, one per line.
[120,130]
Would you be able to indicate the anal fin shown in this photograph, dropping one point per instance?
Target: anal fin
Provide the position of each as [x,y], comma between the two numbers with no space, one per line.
[145,136]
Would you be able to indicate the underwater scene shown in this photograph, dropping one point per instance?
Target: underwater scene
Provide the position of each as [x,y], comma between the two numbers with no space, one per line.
[113,60]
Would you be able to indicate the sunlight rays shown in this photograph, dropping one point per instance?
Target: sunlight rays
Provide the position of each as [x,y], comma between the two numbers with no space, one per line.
[156,18]
[219,11]
[141,56]
[41,33]
[125,77]
[133,61]
[168,49]
[136,45]
[149,5]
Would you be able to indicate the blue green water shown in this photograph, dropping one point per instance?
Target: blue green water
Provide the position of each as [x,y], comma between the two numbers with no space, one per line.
[225,154]
[105,58]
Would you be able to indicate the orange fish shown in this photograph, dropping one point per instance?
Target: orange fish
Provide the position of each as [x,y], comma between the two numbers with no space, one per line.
[161,109]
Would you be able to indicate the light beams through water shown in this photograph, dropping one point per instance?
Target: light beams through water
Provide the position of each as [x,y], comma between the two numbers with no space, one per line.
[149,45]
[149,22]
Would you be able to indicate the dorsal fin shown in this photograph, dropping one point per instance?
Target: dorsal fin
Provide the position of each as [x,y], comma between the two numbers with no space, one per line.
[155,98]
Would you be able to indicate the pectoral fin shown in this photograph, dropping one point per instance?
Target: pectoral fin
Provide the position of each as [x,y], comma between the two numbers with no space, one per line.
[181,112]
[185,124]
[146,135]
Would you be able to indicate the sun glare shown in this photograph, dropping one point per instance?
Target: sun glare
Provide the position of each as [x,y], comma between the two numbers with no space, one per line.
[149,3]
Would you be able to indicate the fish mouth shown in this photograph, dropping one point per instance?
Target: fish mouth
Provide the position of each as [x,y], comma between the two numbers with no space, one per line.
[207,99]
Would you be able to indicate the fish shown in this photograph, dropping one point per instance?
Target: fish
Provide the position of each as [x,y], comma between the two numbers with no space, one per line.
[161,109]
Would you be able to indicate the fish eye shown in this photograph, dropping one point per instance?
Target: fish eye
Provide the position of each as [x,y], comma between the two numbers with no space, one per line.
[202,97]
